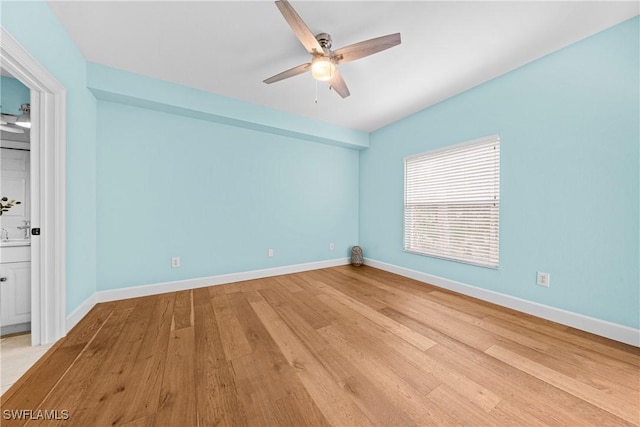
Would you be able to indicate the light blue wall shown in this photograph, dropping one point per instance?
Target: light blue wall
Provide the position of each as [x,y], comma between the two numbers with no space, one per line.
[152,185]
[12,95]
[569,127]
[111,84]
[218,196]
[36,28]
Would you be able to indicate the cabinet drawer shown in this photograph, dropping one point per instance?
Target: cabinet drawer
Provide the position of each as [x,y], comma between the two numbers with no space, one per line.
[15,254]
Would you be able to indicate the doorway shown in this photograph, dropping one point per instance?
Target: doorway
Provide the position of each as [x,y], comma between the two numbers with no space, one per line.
[48,192]
[15,236]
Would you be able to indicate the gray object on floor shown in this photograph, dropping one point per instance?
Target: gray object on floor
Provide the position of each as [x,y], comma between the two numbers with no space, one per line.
[356,256]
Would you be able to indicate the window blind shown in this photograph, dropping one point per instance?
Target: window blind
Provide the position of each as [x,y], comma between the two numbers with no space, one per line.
[452,202]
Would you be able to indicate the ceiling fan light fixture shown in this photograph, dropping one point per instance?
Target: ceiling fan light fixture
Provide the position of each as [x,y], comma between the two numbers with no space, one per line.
[25,119]
[322,68]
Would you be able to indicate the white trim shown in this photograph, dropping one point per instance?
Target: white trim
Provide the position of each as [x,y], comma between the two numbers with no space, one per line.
[48,190]
[181,285]
[81,311]
[603,328]
[490,138]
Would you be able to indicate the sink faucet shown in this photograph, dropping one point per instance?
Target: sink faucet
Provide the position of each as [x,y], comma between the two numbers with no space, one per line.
[26,227]
[4,235]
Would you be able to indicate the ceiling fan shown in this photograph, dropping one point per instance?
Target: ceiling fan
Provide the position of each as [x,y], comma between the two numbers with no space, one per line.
[324,61]
[8,123]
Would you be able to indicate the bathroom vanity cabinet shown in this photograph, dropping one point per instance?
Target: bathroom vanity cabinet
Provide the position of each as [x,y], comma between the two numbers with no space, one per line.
[15,289]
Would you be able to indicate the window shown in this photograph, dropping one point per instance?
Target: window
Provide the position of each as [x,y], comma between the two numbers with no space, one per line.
[452,202]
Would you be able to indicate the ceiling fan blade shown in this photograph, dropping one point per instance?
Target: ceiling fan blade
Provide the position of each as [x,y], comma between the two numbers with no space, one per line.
[289,73]
[337,83]
[8,118]
[300,29]
[366,48]
[11,129]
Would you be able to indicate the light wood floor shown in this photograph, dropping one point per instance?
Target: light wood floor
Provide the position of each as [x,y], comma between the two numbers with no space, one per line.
[343,346]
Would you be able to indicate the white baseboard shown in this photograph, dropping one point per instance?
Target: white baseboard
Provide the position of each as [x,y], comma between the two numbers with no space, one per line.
[200,282]
[603,328]
[80,312]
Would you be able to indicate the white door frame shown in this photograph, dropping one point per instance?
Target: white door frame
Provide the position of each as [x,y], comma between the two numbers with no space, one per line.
[48,190]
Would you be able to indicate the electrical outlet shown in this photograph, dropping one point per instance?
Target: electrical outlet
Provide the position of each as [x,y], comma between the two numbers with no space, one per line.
[175,262]
[270,253]
[543,279]
[332,246]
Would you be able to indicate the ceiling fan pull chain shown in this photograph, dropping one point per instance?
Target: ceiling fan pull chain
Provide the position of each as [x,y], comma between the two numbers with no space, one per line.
[316,91]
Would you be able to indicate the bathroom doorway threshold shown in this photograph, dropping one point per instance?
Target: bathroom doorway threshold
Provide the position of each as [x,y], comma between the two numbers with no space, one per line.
[48,190]
[16,329]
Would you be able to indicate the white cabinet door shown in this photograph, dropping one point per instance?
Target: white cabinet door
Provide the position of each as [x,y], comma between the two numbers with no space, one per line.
[15,293]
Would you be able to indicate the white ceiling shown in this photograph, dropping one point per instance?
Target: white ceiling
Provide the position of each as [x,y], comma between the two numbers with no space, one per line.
[230,47]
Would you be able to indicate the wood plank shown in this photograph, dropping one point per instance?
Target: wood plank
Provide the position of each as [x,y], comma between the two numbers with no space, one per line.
[177,402]
[508,414]
[372,399]
[532,396]
[215,387]
[271,379]
[372,275]
[555,408]
[69,392]
[611,364]
[182,310]
[298,323]
[105,399]
[396,390]
[400,356]
[30,394]
[482,309]
[356,288]
[148,421]
[279,297]
[457,324]
[609,403]
[234,341]
[367,396]
[290,282]
[459,408]
[86,329]
[624,384]
[448,324]
[48,372]
[332,401]
[409,335]
[148,368]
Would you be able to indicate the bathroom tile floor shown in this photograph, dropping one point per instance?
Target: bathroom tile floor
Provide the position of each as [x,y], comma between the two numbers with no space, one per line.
[16,357]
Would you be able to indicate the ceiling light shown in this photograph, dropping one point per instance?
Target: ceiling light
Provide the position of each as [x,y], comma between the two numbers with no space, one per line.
[25,119]
[322,68]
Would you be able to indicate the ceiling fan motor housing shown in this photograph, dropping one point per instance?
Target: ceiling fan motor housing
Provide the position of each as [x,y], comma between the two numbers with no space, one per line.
[324,39]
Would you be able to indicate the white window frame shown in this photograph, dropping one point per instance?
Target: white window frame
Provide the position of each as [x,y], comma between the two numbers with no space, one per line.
[439,244]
